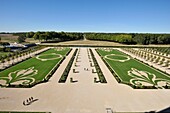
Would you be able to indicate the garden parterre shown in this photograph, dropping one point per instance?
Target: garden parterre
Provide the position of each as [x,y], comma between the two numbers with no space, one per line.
[34,69]
[132,71]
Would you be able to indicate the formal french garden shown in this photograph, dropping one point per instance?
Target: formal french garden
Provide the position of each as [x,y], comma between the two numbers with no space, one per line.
[130,71]
[37,69]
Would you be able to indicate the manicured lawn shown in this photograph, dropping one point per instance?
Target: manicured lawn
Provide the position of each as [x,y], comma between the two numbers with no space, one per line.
[49,56]
[33,69]
[133,71]
[116,57]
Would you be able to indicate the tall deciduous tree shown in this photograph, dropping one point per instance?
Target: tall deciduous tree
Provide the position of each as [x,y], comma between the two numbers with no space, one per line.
[21,38]
[30,34]
[43,37]
[36,36]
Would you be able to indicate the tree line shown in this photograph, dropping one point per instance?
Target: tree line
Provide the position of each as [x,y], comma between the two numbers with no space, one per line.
[125,38]
[131,38]
[49,36]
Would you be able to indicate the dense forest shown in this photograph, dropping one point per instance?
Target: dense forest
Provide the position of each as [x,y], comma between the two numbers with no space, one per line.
[125,38]
[131,38]
[49,36]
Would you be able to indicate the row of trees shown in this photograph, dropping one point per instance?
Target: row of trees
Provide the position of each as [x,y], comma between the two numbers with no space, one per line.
[151,38]
[49,36]
[126,38]
[19,55]
[131,38]
[151,57]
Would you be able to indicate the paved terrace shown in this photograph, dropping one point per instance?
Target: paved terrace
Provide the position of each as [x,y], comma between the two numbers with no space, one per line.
[84,96]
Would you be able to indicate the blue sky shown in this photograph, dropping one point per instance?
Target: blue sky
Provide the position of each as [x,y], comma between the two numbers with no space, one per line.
[151,16]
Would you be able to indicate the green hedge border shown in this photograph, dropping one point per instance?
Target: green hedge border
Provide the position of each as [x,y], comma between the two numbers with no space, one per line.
[98,69]
[64,76]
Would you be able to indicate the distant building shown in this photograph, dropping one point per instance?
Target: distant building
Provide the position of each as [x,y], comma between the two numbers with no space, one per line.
[18,47]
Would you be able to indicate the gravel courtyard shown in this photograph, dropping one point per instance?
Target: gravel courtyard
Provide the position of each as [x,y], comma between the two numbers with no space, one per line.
[84,96]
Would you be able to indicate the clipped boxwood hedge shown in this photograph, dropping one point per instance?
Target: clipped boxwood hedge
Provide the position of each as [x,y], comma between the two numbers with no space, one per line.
[98,70]
[67,69]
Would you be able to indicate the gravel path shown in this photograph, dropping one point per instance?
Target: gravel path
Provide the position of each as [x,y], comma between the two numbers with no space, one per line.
[83,96]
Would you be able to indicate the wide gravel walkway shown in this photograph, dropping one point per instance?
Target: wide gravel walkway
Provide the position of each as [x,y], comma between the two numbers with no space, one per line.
[83,96]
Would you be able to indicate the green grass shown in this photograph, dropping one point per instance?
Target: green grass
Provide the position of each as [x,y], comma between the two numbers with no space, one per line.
[49,56]
[43,67]
[121,69]
[117,57]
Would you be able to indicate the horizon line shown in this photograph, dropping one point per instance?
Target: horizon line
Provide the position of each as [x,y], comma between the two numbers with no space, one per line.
[1,32]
